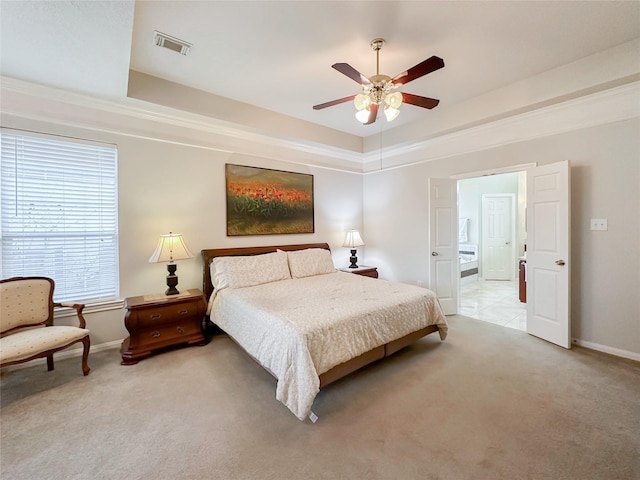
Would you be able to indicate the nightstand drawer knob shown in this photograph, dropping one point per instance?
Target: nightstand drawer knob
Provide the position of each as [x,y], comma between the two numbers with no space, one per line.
[183,312]
[180,330]
[155,316]
[155,334]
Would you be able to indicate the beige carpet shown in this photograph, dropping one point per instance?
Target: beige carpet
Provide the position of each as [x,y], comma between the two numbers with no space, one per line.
[488,403]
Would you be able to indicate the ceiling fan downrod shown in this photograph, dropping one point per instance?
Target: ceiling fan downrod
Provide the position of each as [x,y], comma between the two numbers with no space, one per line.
[377,44]
[380,85]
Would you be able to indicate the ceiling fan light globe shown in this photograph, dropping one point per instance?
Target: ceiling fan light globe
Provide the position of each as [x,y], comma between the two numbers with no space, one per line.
[391,113]
[394,100]
[363,115]
[361,102]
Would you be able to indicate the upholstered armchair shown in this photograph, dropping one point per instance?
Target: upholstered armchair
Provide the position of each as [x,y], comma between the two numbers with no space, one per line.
[27,331]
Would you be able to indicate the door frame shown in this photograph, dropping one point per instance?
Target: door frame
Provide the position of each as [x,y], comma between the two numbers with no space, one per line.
[495,171]
[523,167]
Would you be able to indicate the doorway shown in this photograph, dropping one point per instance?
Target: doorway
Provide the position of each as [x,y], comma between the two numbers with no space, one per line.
[492,210]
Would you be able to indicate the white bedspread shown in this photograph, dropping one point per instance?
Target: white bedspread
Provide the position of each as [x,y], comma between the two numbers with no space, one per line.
[300,328]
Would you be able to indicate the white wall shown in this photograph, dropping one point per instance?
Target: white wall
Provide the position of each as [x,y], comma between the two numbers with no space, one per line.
[605,171]
[165,186]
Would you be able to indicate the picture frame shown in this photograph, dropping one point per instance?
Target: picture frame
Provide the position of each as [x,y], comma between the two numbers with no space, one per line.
[263,201]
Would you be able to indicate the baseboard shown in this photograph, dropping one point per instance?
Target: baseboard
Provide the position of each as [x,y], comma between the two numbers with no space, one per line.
[72,352]
[77,352]
[610,350]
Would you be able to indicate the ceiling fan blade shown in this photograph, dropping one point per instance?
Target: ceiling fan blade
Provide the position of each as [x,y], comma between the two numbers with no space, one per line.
[429,65]
[419,101]
[333,102]
[372,114]
[351,72]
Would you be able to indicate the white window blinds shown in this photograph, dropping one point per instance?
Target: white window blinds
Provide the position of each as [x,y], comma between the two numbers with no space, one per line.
[58,202]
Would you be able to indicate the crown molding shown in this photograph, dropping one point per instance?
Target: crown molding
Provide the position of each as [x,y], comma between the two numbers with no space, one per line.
[140,119]
[616,104]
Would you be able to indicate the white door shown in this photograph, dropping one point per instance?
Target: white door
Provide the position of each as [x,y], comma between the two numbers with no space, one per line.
[444,265]
[498,257]
[547,271]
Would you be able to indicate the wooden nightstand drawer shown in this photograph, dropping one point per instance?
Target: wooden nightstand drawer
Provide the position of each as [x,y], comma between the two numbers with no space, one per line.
[161,314]
[170,334]
[159,321]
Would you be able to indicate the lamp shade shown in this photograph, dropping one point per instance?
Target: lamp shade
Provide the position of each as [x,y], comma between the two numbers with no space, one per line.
[170,247]
[353,239]
[361,102]
[391,113]
[363,115]
[394,100]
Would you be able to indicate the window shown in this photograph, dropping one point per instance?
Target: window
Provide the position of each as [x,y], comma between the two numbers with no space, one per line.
[58,207]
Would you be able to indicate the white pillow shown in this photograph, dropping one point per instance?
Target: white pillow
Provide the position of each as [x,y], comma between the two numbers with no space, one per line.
[311,261]
[250,270]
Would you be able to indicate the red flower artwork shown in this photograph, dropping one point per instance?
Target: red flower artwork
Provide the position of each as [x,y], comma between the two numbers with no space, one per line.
[263,201]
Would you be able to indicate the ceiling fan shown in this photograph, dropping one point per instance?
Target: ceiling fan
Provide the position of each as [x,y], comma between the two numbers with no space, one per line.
[379,89]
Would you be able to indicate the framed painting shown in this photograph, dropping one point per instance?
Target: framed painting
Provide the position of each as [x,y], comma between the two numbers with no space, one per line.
[261,201]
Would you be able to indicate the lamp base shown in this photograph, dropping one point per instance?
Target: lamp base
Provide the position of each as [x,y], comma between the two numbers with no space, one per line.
[172,279]
[353,259]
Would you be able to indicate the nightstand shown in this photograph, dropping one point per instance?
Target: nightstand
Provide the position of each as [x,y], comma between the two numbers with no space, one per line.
[362,270]
[159,321]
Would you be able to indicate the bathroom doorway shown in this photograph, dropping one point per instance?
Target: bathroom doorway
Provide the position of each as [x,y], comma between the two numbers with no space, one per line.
[489,278]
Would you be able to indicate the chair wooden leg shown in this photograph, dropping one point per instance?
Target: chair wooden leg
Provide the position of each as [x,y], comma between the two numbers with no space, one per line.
[86,342]
[50,362]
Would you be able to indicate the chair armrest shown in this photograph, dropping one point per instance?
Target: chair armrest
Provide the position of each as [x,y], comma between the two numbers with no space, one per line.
[78,308]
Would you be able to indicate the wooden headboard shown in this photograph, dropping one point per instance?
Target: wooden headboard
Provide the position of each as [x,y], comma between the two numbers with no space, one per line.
[209,254]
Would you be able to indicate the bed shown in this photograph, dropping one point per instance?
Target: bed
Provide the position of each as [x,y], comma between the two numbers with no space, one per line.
[307,323]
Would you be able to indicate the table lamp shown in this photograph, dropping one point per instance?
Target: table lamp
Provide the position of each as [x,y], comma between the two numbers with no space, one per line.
[353,240]
[171,247]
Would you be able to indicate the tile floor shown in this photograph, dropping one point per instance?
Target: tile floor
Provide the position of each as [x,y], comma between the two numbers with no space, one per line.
[493,301]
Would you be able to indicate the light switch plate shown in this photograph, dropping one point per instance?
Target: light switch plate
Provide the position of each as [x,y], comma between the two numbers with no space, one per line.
[599,224]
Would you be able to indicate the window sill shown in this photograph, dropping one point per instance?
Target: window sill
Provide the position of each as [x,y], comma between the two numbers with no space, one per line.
[91,308]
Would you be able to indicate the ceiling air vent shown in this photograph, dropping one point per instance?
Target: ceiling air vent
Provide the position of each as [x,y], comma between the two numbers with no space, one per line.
[172,43]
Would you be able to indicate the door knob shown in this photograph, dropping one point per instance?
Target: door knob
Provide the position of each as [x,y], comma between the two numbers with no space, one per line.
[434,254]
[507,243]
[560,262]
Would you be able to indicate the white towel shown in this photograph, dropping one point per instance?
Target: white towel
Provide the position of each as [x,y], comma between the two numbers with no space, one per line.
[463,224]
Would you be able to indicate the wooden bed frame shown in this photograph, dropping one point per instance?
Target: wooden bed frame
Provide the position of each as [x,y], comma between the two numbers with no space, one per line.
[338,371]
